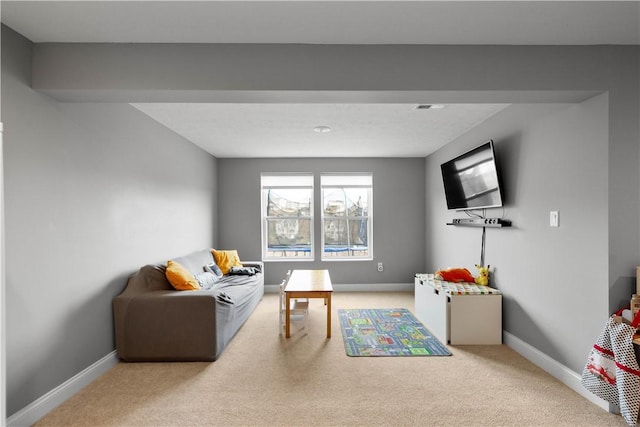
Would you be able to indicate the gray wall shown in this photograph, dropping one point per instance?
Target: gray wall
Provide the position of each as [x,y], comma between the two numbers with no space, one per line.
[553,157]
[93,191]
[312,73]
[398,216]
[379,73]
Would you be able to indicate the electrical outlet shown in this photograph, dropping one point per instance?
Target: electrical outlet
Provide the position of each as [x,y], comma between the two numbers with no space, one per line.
[380,267]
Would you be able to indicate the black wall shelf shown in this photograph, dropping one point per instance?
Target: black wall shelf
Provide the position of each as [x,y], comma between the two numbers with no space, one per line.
[480,222]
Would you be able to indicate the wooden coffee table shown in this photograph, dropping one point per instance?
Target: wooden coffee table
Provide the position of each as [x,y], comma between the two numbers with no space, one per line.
[308,284]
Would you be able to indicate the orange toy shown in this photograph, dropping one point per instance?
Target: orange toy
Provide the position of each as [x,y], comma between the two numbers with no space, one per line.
[455,275]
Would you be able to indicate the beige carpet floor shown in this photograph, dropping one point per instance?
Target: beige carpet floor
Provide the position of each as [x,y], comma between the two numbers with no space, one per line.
[263,379]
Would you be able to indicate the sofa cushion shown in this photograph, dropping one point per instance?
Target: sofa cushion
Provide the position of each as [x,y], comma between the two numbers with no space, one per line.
[195,261]
[226,259]
[180,278]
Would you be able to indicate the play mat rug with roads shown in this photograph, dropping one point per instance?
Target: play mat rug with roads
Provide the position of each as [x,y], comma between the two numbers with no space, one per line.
[387,332]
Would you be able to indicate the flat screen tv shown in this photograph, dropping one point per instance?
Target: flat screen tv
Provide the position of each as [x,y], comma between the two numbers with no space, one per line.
[472,181]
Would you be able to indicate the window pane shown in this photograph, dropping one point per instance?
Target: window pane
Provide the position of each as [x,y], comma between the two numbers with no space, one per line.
[289,237]
[301,252]
[334,202]
[287,216]
[343,233]
[345,239]
[290,231]
[359,232]
[346,202]
[288,202]
[346,215]
[335,232]
[357,201]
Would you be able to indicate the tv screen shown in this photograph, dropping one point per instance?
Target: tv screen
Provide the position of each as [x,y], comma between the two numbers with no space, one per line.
[471,180]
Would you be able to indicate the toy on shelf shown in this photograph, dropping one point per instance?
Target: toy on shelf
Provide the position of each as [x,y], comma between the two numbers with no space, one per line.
[483,275]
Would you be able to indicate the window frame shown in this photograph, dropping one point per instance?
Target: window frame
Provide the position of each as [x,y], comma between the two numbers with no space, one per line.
[346,185]
[265,219]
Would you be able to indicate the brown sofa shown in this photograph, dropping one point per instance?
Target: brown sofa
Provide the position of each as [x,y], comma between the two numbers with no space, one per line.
[155,322]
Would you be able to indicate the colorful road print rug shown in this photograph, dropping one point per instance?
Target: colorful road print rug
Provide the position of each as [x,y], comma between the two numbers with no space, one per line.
[387,332]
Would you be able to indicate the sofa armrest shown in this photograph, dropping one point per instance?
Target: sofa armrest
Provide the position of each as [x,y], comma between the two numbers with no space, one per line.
[166,325]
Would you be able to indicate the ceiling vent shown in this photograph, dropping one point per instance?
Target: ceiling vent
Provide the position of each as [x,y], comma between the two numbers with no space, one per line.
[430,107]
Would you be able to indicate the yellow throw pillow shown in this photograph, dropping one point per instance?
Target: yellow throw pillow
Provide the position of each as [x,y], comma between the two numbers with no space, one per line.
[180,278]
[226,260]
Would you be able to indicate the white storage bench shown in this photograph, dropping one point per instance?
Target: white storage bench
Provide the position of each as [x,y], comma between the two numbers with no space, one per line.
[459,313]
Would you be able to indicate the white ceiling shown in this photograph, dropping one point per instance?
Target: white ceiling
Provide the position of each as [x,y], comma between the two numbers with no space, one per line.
[287,130]
[362,130]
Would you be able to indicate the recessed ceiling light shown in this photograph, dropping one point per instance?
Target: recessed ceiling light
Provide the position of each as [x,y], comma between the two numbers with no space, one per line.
[430,107]
[322,129]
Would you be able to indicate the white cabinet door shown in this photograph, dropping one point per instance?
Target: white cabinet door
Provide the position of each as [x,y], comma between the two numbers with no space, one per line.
[431,308]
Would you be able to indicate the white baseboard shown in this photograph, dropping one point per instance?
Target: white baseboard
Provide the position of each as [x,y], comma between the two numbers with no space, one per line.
[563,374]
[358,287]
[45,404]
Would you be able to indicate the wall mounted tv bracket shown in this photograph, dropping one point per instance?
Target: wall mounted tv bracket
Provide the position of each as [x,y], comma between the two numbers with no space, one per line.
[480,222]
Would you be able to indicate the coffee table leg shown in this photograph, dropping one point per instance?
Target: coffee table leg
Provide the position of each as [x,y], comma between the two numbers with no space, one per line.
[328,300]
[288,315]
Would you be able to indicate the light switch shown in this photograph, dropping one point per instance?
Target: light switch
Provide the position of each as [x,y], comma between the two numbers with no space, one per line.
[554,219]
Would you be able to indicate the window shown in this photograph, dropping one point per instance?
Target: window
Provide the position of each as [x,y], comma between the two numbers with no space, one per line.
[287,217]
[346,217]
